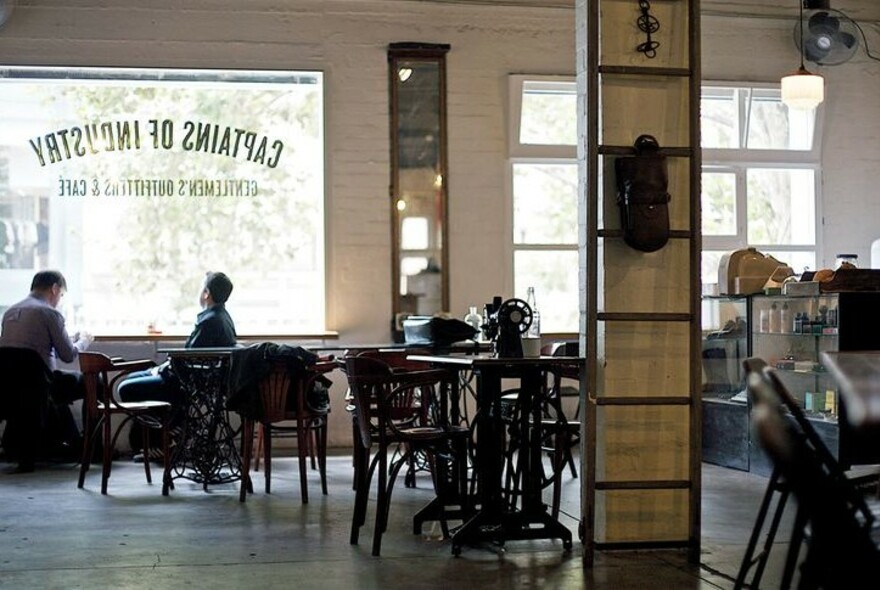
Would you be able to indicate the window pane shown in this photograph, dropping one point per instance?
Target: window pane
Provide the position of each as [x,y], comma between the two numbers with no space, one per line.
[149,179]
[709,266]
[414,233]
[554,275]
[719,203]
[781,207]
[774,126]
[718,118]
[545,204]
[549,113]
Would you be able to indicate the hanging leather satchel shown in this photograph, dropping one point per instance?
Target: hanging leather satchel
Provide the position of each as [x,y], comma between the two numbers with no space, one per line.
[641,196]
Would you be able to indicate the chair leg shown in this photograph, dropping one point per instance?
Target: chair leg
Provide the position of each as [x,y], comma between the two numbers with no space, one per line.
[559,459]
[794,549]
[302,450]
[382,500]
[321,436]
[356,457]
[166,456]
[89,433]
[267,456]
[145,437]
[247,447]
[108,454]
[259,450]
[773,485]
[362,489]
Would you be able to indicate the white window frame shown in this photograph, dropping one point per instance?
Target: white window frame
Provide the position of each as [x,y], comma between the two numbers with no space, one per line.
[525,153]
[739,160]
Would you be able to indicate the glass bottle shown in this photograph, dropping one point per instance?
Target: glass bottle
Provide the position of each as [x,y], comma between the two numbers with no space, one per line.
[535,327]
[846,261]
[785,323]
[775,321]
[473,319]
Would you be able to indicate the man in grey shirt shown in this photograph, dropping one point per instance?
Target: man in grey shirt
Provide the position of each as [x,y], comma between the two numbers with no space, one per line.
[36,324]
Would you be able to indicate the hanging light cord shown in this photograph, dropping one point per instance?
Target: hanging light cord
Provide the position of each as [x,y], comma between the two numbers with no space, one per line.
[865,41]
[801,22]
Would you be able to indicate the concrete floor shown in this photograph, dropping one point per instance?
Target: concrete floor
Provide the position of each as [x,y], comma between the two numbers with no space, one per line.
[53,535]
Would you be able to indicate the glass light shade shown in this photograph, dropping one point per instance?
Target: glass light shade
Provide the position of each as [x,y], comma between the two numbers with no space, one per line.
[803,90]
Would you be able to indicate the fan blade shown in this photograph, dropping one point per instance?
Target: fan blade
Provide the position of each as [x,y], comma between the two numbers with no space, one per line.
[848,40]
[823,23]
[813,51]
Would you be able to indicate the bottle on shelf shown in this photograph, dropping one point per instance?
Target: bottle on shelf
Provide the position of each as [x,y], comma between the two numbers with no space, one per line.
[785,324]
[475,320]
[775,319]
[534,330]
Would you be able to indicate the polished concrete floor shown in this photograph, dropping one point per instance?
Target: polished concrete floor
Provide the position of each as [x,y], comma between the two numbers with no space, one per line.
[53,535]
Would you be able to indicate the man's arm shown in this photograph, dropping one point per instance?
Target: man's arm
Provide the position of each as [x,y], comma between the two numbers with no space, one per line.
[65,348]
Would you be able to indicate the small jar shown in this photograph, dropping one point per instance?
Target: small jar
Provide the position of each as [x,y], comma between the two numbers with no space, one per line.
[846,261]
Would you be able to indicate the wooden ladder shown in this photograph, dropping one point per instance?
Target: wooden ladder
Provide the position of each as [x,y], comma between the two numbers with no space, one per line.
[641,311]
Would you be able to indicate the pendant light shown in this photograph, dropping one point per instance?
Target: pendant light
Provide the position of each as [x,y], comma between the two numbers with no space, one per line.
[801,89]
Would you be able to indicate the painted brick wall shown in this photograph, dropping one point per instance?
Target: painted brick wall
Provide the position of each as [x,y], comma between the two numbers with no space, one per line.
[347,39]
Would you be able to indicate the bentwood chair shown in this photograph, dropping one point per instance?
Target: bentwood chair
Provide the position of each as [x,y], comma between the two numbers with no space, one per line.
[101,375]
[284,397]
[833,517]
[23,402]
[393,414]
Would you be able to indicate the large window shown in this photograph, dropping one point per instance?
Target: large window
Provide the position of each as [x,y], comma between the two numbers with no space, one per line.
[760,176]
[134,183]
[544,186]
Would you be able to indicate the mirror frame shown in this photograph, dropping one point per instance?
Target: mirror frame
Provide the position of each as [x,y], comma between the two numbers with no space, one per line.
[424,52]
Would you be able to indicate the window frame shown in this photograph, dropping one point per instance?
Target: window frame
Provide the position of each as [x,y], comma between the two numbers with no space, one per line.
[64,216]
[739,161]
[536,154]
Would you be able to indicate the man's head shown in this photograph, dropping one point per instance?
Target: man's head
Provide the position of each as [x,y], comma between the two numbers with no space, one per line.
[50,286]
[216,289]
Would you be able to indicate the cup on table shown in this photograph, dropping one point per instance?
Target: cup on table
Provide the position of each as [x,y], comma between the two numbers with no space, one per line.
[531,347]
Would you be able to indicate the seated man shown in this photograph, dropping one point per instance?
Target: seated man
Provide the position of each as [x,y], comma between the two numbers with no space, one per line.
[36,324]
[214,327]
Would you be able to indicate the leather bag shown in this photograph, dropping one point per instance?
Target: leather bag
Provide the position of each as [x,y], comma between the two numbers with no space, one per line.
[641,196]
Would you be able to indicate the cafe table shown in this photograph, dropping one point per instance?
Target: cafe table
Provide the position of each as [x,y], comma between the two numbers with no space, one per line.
[205,450]
[493,519]
[858,375]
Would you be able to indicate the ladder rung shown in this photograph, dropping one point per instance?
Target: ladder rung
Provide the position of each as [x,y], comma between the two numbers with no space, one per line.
[628,150]
[643,317]
[661,484]
[644,71]
[676,234]
[643,401]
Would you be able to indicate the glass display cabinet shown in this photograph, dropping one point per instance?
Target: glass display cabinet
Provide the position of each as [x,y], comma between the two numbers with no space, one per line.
[790,333]
[725,344]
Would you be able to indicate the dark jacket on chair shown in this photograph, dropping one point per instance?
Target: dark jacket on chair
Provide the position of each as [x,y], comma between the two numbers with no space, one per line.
[252,363]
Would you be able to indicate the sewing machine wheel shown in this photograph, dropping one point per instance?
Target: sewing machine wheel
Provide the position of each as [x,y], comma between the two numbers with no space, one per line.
[515,313]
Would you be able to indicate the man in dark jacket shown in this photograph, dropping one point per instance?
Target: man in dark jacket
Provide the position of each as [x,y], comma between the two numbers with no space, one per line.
[214,328]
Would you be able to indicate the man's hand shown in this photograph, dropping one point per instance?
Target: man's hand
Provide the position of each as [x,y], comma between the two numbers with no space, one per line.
[82,340]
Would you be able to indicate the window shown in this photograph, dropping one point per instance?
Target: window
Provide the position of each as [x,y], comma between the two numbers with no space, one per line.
[544,195]
[760,176]
[136,182]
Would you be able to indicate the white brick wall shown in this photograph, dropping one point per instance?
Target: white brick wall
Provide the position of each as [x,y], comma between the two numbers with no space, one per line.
[347,39]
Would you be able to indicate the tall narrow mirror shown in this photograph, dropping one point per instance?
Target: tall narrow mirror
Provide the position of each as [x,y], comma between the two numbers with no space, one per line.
[417,78]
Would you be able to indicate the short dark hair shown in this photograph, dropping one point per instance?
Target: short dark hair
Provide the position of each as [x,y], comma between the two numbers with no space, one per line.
[46,279]
[219,286]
